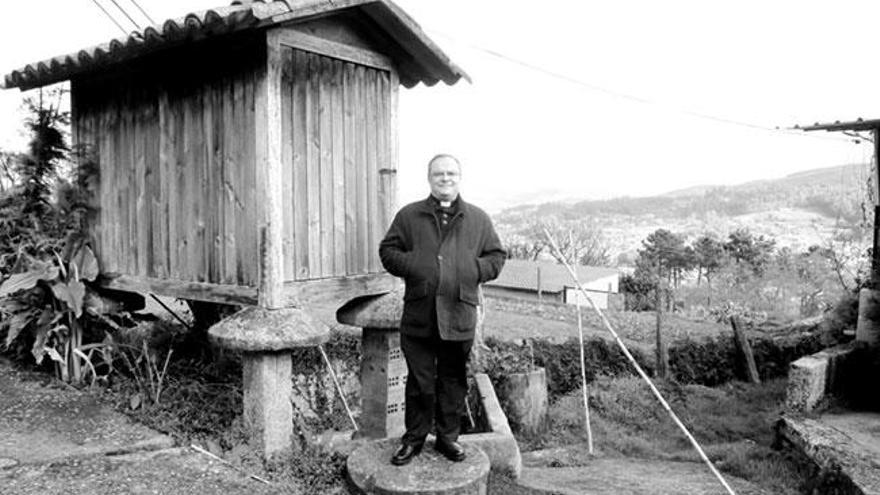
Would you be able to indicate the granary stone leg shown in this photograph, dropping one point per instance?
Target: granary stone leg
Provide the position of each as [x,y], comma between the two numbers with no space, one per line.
[267,408]
[383,369]
[266,337]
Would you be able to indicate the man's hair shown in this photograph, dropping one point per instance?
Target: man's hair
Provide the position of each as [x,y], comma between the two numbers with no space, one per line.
[442,155]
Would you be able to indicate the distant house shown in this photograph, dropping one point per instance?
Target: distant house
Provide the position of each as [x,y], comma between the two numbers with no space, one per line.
[550,281]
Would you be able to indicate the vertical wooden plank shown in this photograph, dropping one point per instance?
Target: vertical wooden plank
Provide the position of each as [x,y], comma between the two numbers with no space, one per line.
[178,209]
[286,87]
[166,180]
[152,181]
[142,218]
[386,173]
[230,196]
[125,176]
[338,154]
[394,143]
[252,242]
[300,165]
[313,163]
[186,193]
[349,128]
[131,198]
[372,124]
[109,187]
[198,248]
[361,168]
[242,169]
[325,126]
[269,131]
[209,183]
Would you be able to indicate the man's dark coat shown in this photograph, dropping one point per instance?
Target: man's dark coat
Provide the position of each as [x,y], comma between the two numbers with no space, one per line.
[441,272]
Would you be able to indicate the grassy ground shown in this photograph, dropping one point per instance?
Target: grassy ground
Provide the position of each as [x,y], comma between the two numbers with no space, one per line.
[733,423]
[516,319]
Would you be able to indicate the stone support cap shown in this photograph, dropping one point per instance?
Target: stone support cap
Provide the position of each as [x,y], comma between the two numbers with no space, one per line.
[256,329]
[382,311]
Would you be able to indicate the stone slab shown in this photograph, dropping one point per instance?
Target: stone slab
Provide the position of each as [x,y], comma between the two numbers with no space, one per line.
[632,477]
[255,329]
[370,470]
[848,442]
[179,470]
[42,420]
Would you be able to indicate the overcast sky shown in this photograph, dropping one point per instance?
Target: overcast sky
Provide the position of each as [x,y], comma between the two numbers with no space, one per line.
[582,98]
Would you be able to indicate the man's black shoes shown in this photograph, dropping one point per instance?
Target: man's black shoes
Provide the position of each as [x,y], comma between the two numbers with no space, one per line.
[405,454]
[451,450]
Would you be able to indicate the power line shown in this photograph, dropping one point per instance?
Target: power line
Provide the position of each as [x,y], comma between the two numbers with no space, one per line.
[110,17]
[124,12]
[627,96]
[143,12]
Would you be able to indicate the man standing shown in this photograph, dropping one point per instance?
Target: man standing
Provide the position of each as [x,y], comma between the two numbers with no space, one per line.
[444,249]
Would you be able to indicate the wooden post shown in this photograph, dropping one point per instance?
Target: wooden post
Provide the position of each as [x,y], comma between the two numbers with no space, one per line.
[269,137]
[540,294]
[875,257]
[744,349]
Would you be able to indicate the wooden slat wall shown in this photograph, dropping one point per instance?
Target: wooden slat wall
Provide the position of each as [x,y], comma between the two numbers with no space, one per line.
[177,195]
[337,136]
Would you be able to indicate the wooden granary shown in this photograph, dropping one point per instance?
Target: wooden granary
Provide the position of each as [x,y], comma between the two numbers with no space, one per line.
[248,153]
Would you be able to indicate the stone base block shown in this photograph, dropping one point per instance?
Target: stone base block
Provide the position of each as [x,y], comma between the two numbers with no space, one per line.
[371,472]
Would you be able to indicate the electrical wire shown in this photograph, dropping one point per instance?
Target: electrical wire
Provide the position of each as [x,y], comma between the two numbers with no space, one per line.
[143,11]
[110,17]
[627,96]
[125,13]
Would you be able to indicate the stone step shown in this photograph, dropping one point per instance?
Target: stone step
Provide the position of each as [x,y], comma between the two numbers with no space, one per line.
[845,442]
[370,471]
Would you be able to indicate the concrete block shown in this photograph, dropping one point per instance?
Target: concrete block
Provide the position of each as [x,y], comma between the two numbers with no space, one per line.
[812,378]
[806,383]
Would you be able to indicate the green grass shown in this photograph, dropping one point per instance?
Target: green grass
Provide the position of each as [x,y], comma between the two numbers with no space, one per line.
[733,424]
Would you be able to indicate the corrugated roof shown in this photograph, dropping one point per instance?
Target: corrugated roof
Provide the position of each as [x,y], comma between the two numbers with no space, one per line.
[425,62]
[523,274]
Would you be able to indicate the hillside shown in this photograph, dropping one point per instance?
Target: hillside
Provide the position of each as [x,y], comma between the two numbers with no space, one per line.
[798,210]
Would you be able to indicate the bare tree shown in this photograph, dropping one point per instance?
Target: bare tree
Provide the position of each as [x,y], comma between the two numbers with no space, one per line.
[581,242]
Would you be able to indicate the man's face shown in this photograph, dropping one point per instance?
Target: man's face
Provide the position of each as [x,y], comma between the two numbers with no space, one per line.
[444,174]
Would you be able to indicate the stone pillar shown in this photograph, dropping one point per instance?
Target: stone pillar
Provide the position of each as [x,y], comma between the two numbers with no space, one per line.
[383,369]
[383,381]
[266,336]
[267,407]
[868,325]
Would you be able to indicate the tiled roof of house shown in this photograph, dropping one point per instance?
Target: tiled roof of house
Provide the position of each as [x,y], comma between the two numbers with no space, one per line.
[418,58]
[554,277]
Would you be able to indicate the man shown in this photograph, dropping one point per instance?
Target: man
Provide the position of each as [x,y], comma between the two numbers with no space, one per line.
[444,249]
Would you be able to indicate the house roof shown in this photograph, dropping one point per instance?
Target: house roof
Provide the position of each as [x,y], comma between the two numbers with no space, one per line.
[418,58]
[523,274]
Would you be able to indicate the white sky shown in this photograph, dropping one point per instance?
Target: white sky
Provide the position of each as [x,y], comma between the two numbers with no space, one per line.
[521,132]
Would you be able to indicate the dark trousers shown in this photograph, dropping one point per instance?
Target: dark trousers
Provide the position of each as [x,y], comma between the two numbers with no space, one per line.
[436,386]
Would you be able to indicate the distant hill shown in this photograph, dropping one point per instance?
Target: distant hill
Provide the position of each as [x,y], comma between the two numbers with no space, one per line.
[800,209]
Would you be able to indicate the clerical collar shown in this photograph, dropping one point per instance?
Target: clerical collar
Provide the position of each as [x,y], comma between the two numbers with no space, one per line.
[444,204]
